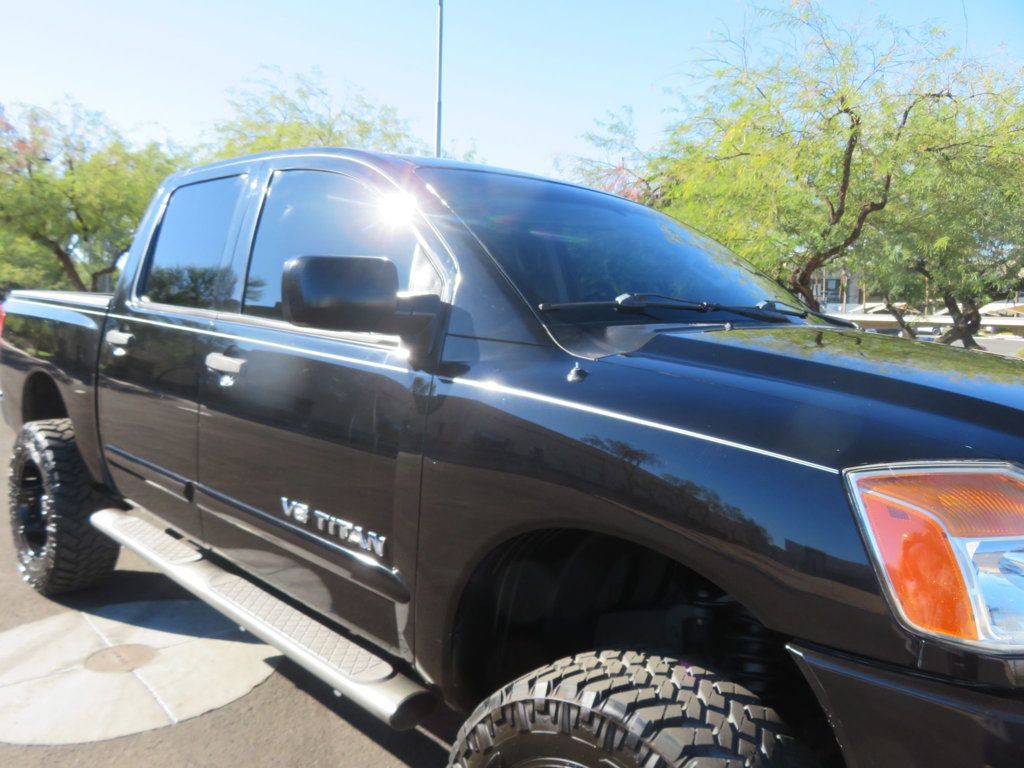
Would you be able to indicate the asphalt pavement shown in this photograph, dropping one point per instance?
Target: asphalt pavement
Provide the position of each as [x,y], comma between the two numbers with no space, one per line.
[1010,346]
[290,719]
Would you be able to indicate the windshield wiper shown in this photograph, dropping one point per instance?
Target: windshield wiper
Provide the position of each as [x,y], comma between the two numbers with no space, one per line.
[781,306]
[769,310]
[641,302]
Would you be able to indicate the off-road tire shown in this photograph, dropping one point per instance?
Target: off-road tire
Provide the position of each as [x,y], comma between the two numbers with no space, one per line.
[51,497]
[627,709]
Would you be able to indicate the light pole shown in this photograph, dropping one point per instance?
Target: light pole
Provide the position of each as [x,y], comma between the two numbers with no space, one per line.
[437,117]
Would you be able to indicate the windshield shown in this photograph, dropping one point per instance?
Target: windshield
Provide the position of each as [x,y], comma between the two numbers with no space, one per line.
[561,244]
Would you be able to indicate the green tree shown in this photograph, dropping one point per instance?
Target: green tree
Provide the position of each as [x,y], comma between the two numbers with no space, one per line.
[961,236]
[810,137]
[72,188]
[24,264]
[277,112]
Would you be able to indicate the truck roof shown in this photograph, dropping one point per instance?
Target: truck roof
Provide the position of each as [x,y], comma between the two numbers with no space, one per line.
[389,163]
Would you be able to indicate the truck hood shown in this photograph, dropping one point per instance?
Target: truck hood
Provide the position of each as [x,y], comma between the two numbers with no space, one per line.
[840,396]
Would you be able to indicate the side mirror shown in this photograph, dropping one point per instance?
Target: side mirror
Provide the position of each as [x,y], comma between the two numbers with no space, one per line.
[351,293]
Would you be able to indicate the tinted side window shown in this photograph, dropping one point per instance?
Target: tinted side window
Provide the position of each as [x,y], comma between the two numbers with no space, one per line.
[185,262]
[319,213]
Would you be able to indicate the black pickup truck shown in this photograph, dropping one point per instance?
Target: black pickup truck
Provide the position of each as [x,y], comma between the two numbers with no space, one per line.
[443,432]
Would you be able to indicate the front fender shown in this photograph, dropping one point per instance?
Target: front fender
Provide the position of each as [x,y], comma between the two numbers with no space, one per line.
[779,536]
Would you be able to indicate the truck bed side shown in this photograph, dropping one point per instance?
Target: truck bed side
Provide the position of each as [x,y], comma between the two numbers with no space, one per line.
[51,341]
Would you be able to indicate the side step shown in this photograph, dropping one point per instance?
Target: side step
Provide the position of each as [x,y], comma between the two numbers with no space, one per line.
[350,669]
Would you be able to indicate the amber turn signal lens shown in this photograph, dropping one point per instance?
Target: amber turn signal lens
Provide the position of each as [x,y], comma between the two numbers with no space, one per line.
[922,568]
[950,541]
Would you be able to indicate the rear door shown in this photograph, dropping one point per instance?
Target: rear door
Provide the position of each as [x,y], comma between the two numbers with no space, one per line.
[310,441]
[154,342]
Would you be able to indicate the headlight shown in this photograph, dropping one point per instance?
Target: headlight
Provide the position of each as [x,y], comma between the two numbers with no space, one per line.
[948,541]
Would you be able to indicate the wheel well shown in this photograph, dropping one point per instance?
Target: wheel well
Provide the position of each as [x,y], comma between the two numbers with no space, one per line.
[41,399]
[549,594]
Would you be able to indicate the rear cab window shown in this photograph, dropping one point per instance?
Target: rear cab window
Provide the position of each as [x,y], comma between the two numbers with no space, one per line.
[186,267]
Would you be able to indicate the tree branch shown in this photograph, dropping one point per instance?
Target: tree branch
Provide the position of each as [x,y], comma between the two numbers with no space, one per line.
[822,257]
[94,278]
[900,316]
[835,214]
[723,158]
[66,262]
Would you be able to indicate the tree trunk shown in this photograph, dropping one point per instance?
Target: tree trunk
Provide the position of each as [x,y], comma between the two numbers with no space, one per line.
[901,321]
[69,268]
[66,262]
[94,278]
[800,281]
[966,323]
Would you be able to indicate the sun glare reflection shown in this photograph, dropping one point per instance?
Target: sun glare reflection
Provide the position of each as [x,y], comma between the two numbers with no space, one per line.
[396,208]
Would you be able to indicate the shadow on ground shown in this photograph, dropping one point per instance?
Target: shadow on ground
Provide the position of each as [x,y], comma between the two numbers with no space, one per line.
[124,587]
[425,746]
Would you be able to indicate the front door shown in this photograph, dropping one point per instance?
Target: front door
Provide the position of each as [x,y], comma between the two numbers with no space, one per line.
[310,441]
[153,346]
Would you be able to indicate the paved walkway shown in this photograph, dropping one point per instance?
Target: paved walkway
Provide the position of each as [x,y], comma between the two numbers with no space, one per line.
[123,669]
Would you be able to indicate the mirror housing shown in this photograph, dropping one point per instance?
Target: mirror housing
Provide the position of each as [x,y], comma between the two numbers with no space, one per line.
[360,293]
[353,293]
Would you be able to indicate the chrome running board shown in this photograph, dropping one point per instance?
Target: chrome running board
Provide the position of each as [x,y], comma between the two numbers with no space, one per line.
[349,668]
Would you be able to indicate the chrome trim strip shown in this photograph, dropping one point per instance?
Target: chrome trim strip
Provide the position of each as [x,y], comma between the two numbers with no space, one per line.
[198,314]
[366,339]
[575,406]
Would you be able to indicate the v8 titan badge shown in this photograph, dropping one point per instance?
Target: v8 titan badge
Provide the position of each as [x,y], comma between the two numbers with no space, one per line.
[334,527]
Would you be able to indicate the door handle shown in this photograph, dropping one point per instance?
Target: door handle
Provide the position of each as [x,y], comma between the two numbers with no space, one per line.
[232,366]
[119,340]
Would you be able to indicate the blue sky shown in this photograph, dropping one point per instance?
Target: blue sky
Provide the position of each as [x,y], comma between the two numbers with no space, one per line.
[524,80]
